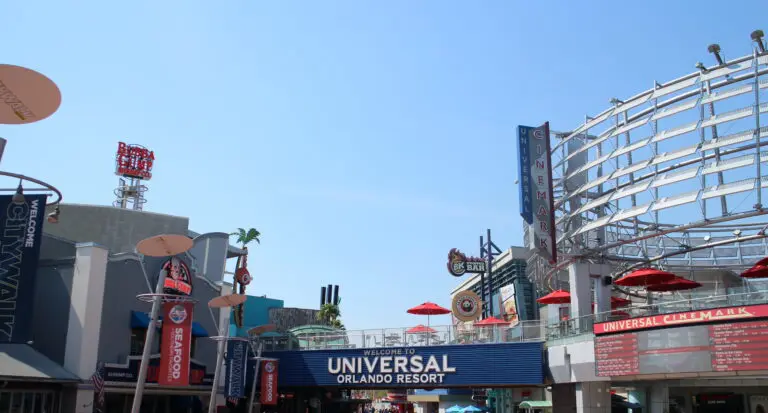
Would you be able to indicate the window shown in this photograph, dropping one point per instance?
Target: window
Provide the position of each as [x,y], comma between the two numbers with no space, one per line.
[138,336]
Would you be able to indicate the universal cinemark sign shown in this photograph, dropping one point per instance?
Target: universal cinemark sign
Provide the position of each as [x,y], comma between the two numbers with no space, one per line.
[715,315]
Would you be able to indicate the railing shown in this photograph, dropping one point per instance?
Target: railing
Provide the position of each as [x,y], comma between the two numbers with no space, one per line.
[436,336]
[583,325]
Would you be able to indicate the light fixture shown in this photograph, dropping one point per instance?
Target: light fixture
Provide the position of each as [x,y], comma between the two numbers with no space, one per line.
[616,101]
[18,197]
[701,67]
[707,238]
[757,37]
[715,50]
[53,217]
[737,232]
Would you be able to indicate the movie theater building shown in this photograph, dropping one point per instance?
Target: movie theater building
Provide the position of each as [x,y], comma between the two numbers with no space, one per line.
[86,311]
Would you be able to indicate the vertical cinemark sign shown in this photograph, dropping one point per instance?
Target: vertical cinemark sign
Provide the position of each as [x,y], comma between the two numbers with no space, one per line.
[269,382]
[536,200]
[21,230]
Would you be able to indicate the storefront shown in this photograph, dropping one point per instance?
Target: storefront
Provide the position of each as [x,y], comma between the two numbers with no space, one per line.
[86,314]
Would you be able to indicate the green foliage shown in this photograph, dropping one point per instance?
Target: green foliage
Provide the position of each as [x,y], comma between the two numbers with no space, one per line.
[245,237]
[330,315]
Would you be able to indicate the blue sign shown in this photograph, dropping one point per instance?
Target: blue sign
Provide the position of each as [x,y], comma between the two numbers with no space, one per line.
[21,230]
[237,359]
[469,365]
[524,170]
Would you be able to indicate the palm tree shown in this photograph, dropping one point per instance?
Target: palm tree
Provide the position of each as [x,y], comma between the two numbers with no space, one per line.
[243,238]
[330,314]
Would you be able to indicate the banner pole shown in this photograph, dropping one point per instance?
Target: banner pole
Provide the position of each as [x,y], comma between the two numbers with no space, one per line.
[219,361]
[149,339]
[257,368]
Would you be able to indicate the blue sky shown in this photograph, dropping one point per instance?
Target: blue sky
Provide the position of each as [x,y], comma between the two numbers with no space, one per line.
[363,138]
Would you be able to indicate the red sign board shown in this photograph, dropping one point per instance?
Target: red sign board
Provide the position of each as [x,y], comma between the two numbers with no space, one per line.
[175,344]
[269,382]
[134,161]
[715,315]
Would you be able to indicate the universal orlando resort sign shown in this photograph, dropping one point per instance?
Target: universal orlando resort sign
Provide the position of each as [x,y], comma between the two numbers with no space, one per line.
[388,366]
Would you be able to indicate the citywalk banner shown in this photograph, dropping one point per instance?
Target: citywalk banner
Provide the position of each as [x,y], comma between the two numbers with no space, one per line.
[237,359]
[21,231]
[537,205]
[269,382]
[176,344]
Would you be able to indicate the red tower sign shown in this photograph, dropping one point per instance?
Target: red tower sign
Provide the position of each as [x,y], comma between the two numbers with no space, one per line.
[134,161]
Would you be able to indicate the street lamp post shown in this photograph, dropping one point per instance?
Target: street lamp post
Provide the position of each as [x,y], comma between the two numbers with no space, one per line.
[224,301]
[157,246]
[257,346]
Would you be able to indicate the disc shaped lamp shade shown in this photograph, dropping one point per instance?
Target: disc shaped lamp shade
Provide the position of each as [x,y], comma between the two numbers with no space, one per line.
[420,329]
[28,96]
[230,300]
[677,284]
[491,321]
[428,309]
[259,330]
[166,245]
[645,277]
[556,297]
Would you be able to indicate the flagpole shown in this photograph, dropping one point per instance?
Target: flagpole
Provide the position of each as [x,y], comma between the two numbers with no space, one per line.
[257,368]
[149,339]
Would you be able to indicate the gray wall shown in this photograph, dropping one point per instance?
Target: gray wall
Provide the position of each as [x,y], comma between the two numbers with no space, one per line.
[287,318]
[117,229]
[51,314]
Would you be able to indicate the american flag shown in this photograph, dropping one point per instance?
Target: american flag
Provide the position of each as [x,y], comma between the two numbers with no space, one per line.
[98,386]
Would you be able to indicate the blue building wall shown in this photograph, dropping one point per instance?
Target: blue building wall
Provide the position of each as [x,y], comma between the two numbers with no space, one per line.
[490,365]
[256,314]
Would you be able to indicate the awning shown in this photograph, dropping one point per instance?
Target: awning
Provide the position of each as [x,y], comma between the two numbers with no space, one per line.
[535,404]
[141,320]
[22,362]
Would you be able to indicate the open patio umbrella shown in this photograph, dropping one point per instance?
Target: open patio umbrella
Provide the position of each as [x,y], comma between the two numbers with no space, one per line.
[556,297]
[491,321]
[454,409]
[428,309]
[645,277]
[471,409]
[676,284]
[421,329]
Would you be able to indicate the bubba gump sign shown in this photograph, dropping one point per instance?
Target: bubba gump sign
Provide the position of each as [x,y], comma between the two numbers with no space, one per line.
[677,319]
[390,366]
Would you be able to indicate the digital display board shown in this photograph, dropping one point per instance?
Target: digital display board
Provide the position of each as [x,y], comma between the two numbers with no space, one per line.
[700,348]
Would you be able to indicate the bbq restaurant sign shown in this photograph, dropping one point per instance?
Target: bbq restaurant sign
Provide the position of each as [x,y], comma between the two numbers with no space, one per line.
[391,366]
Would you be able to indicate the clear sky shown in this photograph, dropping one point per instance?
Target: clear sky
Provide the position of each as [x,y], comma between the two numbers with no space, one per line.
[364,139]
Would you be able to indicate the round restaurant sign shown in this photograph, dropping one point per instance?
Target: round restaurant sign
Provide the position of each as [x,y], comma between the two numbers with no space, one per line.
[26,96]
[466,306]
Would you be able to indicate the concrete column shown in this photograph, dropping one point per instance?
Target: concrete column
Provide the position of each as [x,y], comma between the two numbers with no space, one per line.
[581,290]
[658,399]
[593,397]
[82,345]
[602,291]
[563,398]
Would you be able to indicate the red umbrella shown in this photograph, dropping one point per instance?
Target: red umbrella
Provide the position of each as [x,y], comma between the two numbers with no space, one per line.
[617,302]
[644,277]
[758,271]
[420,329]
[491,321]
[428,309]
[556,297]
[620,314]
[763,262]
[676,284]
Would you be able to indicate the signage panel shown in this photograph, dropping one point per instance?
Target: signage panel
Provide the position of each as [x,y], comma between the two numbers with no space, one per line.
[738,346]
[21,230]
[466,306]
[537,204]
[459,264]
[691,317]
[134,161]
[469,365]
[237,359]
[175,344]
[269,382]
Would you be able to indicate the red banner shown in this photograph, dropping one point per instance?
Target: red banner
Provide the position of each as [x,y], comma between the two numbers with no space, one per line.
[714,315]
[175,344]
[269,382]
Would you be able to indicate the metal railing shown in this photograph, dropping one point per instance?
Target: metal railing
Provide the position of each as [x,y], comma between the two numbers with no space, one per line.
[436,336]
[661,305]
